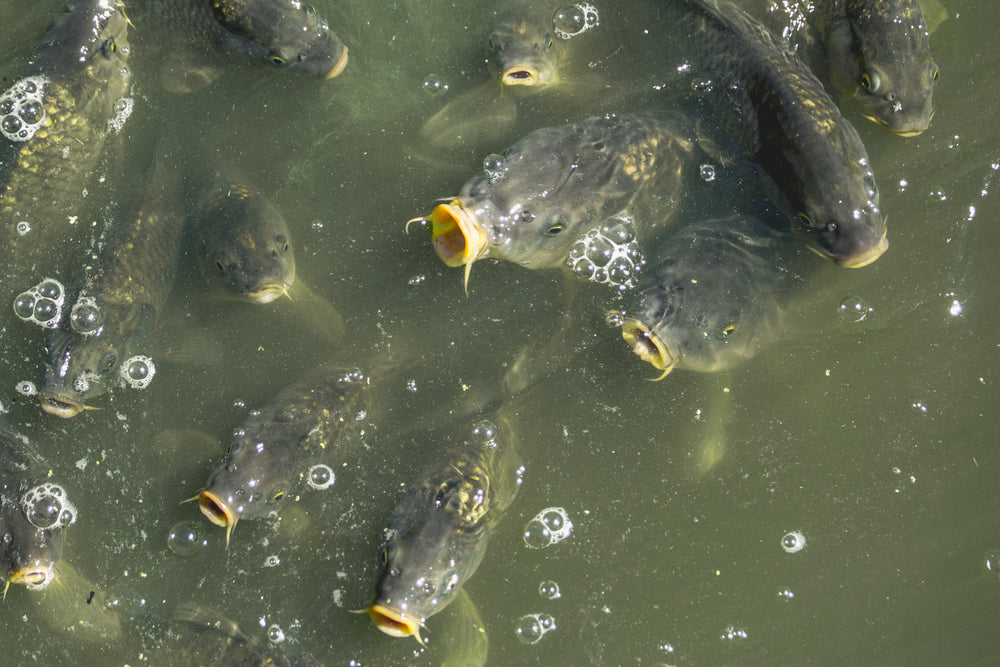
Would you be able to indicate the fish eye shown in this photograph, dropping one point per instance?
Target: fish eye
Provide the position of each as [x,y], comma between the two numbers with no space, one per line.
[277,60]
[806,220]
[385,556]
[282,241]
[108,47]
[870,81]
[727,330]
[555,229]
[934,75]
[220,266]
[493,43]
[310,10]
[548,41]
[108,362]
[277,495]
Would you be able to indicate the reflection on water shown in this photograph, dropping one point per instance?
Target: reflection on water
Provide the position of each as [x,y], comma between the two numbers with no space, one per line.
[838,505]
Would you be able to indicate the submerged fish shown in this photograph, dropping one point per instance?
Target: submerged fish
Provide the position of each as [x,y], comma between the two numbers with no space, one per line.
[33,514]
[524,47]
[879,52]
[716,297]
[277,450]
[777,111]
[121,293]
[287,34]
[531,204]
[438,532]
[243,241]
[54,121]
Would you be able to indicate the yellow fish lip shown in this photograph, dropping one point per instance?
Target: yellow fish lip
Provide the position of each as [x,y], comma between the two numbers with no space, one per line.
[648,346]
[31,576]
[338,66]
[394,622]
[901,131]
[458,238]
[267,293]
[218,511]
[520,75]
[865,258]
[61,406]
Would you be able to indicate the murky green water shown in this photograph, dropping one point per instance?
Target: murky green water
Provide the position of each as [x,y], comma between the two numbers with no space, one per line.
[876,440]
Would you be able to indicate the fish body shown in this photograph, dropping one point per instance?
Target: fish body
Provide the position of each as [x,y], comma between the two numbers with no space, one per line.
[717,294]
[243,241]
[286,34]
[55,122]
[531,204]
[878,51]
[275,449]
[437,533]
[778,112]
[121,293]
[31,517]
[524,47]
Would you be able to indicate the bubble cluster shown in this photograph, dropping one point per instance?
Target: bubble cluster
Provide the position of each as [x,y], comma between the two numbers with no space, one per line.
[548,527]
[47,507]
[22,108]
[86,317]
[433,85]
[42,304]
[320,477]
[574,19]
[549,590]
[137,371]
[793,542]
[354,376]
[608,254]
[495,167]
[732,632]
[532,627]
[123,109]
[186,538]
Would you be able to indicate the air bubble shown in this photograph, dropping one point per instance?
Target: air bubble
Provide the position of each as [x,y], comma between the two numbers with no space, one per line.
[853,310]
[793,542]
[27,388]
[86,317]
[532,627]
[122,110]
[549,590]
[24,305]
[433,85]
[548,527]
[272,561]
[32,112]
[707,172]
[275,634]
[732,632]
[991,566]
[495,167]
[484,433]
[571,20]
[23,227]
[50,289]
[138,371]
[320,477]
[186,538]
[10,125]
[609,254]
[47,311]
[786,594]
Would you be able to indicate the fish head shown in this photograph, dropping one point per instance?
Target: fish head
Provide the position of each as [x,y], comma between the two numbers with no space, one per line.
[257,264]
[285,33]
[30,551]
[526,50]
[899,96]
[425,560]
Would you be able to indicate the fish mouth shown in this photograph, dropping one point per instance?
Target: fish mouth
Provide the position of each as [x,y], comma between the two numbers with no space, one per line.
[394,622]
[865,258]
[458,238]
[33,577]
[61,406]
[520,75]
[907,131]
[339,66]
[267,293]
[648,346]
[217,511]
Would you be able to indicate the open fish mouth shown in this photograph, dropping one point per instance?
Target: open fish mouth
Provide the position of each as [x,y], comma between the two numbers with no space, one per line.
[458,238]
[394,622]
[648,346]
[61,406]
[217,511]
[520,75]
[267,293]
[34,578]
[339,66]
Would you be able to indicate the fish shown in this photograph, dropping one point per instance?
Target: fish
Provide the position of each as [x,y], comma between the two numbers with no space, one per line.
[286,34]
[34,512]
[771,104]
[531,204]
[438,531]
[243,241]
[717,294]
[524,47]
[269,462]
[878,51]
[120,293]
[55,120]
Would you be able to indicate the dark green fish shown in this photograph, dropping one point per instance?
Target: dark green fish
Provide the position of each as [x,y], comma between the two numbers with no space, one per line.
[533,203]
[524,46]
[717,295]
[33,513]
[879,52]
[287,34]
[119,298]
[277,450]
[438,532]
[55,120]
[777,111]
[244,243]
